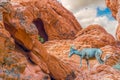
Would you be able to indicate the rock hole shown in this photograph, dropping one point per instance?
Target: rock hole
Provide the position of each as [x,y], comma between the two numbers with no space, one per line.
[52,78]
[40,26]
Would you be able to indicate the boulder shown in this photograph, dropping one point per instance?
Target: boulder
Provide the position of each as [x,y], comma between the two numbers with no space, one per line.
[96,36]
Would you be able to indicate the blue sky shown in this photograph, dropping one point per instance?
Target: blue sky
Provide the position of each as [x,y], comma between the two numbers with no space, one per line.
[105,12]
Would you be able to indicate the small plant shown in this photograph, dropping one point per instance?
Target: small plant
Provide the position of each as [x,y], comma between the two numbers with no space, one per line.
[41,39]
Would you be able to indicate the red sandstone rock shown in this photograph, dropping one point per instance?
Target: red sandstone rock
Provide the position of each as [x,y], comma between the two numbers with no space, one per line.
[95,35]
[92,30]
[118,33]
[6,42]
[51,18]
[11,54]
[21,25]
[33,71]
[114,53]
[56,67]
[114,5]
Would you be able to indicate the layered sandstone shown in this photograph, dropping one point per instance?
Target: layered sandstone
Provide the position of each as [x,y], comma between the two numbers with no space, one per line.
[14,60]
[95,35]
[25,21]
[113,52]
[48,18]
[114,6]
[7,43]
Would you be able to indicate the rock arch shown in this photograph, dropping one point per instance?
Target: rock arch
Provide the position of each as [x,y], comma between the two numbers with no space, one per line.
[40,26]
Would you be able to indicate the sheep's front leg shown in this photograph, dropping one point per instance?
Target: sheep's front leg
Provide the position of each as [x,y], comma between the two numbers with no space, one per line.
[80,62]
[87,60]
[88,65]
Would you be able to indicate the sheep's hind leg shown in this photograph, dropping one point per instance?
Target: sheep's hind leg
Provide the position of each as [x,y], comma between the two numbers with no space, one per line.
[99,58]
[88,65]
[80,62]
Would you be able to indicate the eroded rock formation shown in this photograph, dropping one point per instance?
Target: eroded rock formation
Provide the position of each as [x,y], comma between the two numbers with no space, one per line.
[114,53]
[114,6]
[12,60]
[7,43]
[25,21]
[96,36]
[48,18]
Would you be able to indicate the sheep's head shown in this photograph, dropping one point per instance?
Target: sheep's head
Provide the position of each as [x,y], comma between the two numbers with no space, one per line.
[71,51]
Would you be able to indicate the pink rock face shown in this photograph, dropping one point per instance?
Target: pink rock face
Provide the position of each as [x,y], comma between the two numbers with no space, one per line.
[118,32]
[113,52]
[6,42]
[12,58]
[103,72]
[95,35]
[5,34]
[114,5]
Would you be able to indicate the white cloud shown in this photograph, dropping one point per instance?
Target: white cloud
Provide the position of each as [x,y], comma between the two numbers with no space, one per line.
[86,13]
[109,25]
[75,5]
[88,16]
[4,0]
[59,1]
